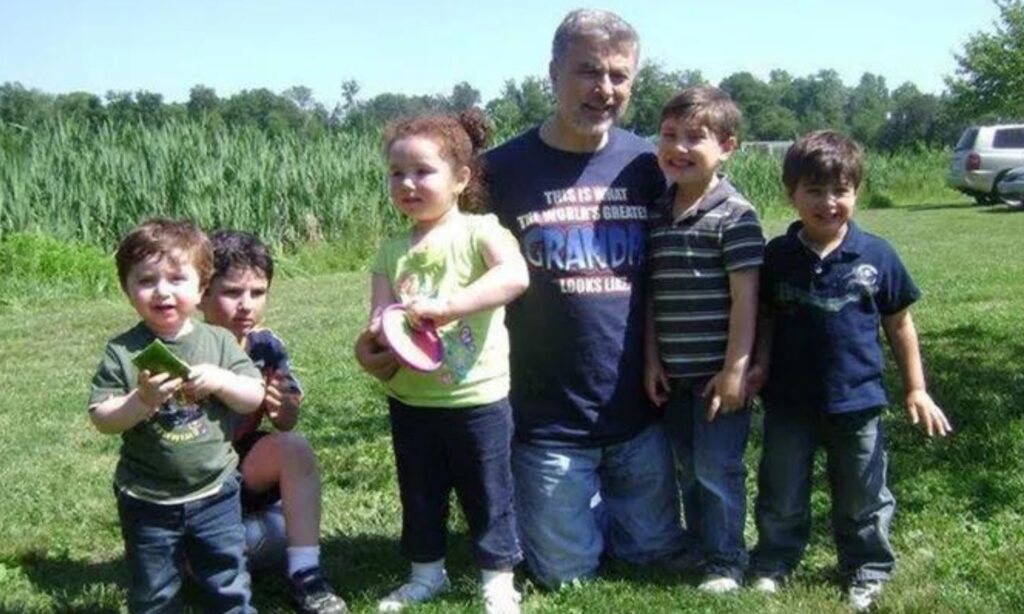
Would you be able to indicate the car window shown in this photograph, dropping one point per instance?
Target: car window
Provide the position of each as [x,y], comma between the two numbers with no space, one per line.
[1009,138]
[966,139]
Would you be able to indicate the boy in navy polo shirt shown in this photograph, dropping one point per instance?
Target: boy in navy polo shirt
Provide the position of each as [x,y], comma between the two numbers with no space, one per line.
[826,287]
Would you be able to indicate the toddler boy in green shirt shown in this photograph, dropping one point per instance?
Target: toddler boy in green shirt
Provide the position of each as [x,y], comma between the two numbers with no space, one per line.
[176,481]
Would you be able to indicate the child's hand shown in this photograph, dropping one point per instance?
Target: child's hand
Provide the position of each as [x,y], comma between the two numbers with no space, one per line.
[373,355]
[724,392]
[204,380]
[436,310]
[656,382]
[281,403]
[757,376]
[924,411]
[155,390]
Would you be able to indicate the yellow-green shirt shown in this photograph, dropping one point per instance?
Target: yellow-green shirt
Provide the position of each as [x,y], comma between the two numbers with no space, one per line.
[475,367]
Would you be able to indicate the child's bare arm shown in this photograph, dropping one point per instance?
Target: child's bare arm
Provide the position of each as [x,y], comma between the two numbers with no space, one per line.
[902,335]
[655,379]
[240,393]
[506,278]
[726,387]
[117,414]
[757,374]
[376,359]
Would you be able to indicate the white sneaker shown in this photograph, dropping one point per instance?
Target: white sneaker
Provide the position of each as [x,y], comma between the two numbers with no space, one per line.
[764,584]
[718,585]
[502,601]
[862,595]
[416,590]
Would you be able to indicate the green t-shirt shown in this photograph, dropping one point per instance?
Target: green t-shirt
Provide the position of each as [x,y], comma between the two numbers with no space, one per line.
[475,369]
[185,448]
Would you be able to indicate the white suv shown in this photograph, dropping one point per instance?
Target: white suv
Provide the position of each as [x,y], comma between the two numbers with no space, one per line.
[982,156]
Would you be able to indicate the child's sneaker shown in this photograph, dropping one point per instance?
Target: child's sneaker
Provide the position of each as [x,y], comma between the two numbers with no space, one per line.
[313,595]
[862,595]
[766,584]
[718,584]
[416,590]
[501,601]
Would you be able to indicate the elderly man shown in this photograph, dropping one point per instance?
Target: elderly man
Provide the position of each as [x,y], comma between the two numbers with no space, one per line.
[593,469]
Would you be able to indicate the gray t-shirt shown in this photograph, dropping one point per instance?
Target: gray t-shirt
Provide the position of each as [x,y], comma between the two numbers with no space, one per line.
[185,448]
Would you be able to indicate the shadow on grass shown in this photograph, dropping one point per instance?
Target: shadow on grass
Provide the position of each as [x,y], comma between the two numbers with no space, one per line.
[363,568]
[937,207]
[72,584]
[977,376]
[1005,209]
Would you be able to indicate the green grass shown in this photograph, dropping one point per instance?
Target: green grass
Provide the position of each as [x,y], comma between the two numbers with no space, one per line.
[959,528]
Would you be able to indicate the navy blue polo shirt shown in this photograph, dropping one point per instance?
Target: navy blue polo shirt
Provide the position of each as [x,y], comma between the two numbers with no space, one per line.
[826,315]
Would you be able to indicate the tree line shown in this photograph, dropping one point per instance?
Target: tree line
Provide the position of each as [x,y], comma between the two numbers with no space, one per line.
[988,85]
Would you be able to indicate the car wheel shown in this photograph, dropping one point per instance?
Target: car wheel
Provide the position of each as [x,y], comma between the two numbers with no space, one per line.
[985,199]
[1010,199]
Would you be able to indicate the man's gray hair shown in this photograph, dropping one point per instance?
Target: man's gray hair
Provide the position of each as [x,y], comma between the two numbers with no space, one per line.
[596,24]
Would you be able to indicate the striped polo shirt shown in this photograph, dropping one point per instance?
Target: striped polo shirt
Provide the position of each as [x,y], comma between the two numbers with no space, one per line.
[690,258]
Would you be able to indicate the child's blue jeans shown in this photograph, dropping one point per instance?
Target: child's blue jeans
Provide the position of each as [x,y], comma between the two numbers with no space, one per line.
[862,506]
[467,450]
[208,532]
[712,476]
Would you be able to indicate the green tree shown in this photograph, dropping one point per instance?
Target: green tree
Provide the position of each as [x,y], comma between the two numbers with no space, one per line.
[912,121]
[521,106]
[819,101]
[464,96]
[867,109]
[202,101]
[80,106]
[654,86]
[23,106]
[989,79]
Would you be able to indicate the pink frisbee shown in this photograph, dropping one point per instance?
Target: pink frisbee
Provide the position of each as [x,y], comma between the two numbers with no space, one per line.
[420,348]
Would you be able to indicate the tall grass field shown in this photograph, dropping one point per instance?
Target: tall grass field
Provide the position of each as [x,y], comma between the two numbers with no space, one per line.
[78,183]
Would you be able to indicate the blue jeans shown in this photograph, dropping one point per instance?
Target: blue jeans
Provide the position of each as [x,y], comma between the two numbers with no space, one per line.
[208,532]
[862,505]
[712,476]
[576,503]
[465,449]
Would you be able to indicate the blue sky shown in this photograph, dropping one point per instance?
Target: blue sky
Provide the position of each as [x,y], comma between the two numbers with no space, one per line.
[425,47]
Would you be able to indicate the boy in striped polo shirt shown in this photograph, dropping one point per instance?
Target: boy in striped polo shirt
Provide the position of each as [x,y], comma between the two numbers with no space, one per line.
[705,250]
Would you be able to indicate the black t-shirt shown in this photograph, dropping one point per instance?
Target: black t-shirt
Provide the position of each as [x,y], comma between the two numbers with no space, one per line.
[577,333]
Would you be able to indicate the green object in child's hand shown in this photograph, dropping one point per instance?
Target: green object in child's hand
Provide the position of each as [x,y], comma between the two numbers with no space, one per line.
[156,358]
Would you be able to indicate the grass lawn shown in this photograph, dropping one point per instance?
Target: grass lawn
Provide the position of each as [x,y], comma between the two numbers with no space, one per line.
[959,528]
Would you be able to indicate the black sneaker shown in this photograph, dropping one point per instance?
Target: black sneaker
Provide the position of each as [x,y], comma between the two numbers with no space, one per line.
[313,595]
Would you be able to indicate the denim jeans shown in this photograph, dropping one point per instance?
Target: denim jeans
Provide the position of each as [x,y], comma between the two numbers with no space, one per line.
[576,504]
[862,506]
[208,532]
[712,476]
[266,539]
[465,449]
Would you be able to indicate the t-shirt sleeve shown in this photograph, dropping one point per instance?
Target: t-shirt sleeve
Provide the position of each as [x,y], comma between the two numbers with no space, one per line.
[488,228]
[110,379]
[234,358]
[896,290]
[742,240]
[276,356]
